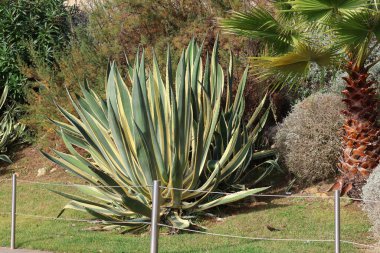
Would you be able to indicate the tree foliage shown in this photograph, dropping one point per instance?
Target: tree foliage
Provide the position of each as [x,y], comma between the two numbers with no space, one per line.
[40,27]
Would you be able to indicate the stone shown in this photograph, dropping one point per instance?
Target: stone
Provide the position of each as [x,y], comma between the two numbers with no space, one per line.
[41,172]
[53,170]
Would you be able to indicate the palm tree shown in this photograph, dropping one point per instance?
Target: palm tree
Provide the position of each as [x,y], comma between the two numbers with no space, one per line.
[299,34]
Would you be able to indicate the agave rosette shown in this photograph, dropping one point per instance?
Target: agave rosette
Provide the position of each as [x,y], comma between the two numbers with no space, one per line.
[171,129]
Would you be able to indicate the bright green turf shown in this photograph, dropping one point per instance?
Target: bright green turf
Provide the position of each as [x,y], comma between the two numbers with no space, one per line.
[298,219]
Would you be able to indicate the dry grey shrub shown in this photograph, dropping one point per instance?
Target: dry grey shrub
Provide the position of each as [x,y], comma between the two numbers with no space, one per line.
[309,138]
[371,191]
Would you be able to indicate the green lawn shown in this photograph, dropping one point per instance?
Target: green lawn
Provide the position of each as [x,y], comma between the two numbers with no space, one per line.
[298,218]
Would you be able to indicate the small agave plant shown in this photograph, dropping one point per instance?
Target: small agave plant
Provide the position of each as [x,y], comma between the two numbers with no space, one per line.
[10,130]
[171,129]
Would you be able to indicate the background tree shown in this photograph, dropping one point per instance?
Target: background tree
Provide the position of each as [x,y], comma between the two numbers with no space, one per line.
[30,29]
[301,34]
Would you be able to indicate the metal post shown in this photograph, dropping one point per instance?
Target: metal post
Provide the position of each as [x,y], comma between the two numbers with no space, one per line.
[13,215]
[337,221]
[155,216]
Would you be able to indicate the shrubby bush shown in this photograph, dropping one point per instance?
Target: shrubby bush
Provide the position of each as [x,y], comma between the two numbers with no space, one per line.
[320,80]
[40,26]
[371,191]
[114,29]
[307,140]
[10,74]
[10,130]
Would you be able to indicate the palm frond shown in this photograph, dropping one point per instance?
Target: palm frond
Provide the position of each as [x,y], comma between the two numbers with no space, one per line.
[327,10]
[354,32]
[260,24]
[290,68]
[283,8]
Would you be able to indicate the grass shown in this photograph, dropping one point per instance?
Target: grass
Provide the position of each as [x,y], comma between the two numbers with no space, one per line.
[297,218]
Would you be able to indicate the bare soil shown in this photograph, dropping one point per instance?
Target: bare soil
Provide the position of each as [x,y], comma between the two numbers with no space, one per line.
[26,163]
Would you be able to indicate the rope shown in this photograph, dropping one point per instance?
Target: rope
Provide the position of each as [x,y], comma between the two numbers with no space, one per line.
[196,231]
[258,195]
[266,238]
[246,237]
[361,200]
[273,195]
[75,220]
[76,185]
[188,190]
[202,191]
[358,244]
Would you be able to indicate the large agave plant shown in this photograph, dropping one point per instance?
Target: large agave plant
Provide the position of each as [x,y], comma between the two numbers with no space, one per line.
[171,129]
[264,162]
[10,130]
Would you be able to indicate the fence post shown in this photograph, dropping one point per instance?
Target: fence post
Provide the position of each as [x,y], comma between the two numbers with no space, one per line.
[13,214]
[337,221]
[155,216]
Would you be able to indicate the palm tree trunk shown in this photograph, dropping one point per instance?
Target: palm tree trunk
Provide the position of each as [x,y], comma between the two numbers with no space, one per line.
[361,138]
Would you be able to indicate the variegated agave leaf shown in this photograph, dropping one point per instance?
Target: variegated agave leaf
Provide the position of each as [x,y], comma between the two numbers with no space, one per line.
[10,130]
[164,129]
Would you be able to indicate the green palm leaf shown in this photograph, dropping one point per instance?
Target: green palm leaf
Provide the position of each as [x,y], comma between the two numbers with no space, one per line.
[326,10]
[355,31]
[289,68]
[261,24]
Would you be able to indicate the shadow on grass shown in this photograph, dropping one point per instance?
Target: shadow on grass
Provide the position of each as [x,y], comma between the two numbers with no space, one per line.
[253,208]
[26,243]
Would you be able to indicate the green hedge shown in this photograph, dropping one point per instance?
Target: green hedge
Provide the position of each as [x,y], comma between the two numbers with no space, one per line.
[29,27]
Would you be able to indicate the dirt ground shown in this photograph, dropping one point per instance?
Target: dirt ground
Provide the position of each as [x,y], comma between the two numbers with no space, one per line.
[29,161]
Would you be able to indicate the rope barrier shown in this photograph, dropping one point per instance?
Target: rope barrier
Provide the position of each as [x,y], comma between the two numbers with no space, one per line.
[361,200]
[246,237]
[202,191]
[256,195]
[266,238]
[78,185]
[76,220]
[358,244]
[273,195]
[194,231]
